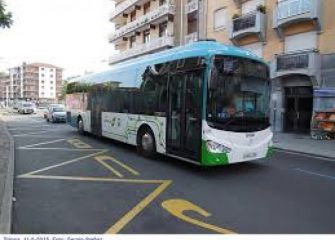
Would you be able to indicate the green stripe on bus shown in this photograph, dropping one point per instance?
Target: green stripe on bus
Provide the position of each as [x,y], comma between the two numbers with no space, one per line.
[212,159]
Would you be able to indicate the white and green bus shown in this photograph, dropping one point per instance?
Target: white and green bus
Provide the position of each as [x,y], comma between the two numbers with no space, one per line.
[206,103]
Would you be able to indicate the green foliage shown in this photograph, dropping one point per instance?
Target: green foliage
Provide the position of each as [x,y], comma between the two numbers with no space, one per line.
[5,17]
[77,87]
[235,16]
[261,8]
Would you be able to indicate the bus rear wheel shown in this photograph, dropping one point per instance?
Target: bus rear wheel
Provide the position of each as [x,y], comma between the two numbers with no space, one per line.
[146,144]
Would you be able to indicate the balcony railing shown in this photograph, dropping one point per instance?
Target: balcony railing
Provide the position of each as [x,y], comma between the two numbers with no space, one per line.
[191,6]
[153,45]
[252,23]
[292,11]
[291,62]
[193,37]
[120,8]
[143,20]
[303,63]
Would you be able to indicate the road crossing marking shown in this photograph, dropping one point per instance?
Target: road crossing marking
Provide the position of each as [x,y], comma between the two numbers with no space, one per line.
[121,223]
[117,173]
[63,163]
[78,143]
[104,158]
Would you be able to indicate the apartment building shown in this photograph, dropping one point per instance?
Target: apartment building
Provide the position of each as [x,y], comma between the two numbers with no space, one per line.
[297,39]
[36,81]
[4,81]
[148,26]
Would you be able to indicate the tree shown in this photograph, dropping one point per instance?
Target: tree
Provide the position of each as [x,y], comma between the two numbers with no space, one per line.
[5,17]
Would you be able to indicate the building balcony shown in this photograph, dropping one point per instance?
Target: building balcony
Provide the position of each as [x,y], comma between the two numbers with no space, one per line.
[192,37]
[289,12]
[146,48]
[298,63]
[191,6]
[239,2]
[121,8]
[152,17]
[250,24]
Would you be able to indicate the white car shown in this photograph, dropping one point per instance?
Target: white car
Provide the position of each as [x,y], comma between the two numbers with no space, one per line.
[50,106]
[26,108]
[56,114]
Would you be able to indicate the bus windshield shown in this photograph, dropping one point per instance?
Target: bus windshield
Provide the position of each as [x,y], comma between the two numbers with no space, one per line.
[238,95]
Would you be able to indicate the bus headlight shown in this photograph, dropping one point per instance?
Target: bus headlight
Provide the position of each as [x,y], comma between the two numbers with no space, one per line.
[215,147]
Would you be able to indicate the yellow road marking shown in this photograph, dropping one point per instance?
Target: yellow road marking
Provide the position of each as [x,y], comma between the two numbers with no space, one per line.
[63,149]
[121,223]
[64,163]
[30,133]
[78,143]
[177,207]
[109,167]
[94,179]
[105,157]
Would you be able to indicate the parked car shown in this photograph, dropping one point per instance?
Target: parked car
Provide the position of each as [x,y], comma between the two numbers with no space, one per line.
[45,114]
[56,114]
[26,108]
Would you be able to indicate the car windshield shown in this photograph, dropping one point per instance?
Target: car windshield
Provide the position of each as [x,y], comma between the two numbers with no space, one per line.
[58,109]
[27,105]
[238,95]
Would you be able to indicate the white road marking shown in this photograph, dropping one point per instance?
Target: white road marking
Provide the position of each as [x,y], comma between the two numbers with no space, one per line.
[315,173]
[43,143]
[305,155]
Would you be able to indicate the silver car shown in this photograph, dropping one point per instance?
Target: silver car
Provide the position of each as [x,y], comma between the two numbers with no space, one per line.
[56,114]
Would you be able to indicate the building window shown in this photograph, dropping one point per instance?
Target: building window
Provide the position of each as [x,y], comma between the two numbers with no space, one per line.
[163,29]
[51,88]
[51,70]
[51,75]
[219,19]
[146,36]
[146,8]
[162,2]
[192,22]
[42,69]
[133,16]
[42,81]
[132,41]
[42,74]
[51,82]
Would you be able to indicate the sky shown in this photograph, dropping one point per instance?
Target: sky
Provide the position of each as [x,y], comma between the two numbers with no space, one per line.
[72,34]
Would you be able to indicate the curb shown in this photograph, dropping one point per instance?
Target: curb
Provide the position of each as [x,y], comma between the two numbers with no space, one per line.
[327,158]
[7,203]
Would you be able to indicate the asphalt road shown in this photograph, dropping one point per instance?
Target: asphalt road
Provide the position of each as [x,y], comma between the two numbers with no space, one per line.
[68,183]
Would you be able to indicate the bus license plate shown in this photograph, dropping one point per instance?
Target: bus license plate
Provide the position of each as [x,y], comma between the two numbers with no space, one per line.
[249,155]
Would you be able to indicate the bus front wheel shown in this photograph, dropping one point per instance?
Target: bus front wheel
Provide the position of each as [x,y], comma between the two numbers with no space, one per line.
[146,145]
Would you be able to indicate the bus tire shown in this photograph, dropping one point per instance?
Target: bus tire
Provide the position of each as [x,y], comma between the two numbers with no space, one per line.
[80,126]
[146,144]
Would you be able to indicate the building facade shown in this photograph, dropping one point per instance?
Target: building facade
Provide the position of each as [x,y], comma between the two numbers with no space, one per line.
[296,38]
[37,81]
[4,82]
[148,26]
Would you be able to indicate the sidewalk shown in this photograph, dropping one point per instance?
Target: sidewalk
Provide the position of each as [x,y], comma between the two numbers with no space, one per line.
[6,177]
[304,144]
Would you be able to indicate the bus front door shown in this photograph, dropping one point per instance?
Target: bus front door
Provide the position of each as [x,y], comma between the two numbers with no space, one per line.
[184,115]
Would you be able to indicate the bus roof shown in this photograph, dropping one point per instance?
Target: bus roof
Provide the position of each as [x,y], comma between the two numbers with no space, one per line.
[196,49]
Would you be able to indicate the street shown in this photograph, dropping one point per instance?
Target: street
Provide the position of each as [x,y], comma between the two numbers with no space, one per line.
[69,183]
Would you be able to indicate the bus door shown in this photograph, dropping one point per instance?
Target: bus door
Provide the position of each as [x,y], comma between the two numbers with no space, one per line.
[184,114]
